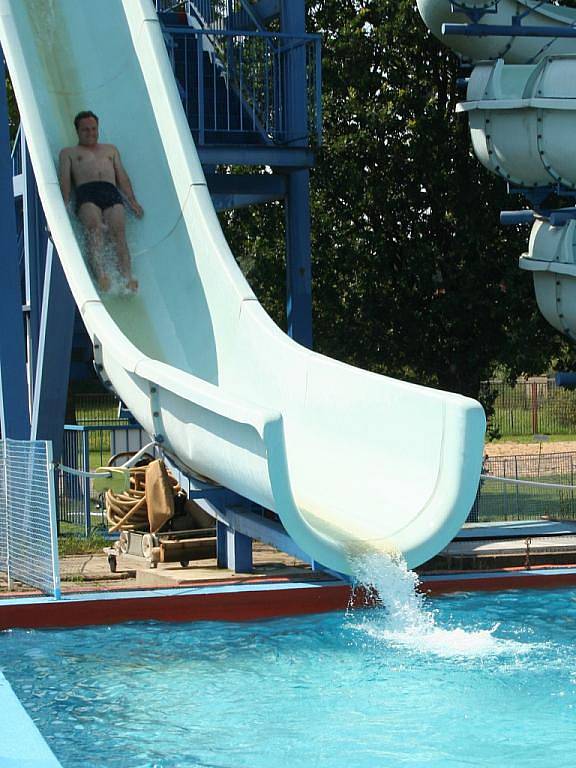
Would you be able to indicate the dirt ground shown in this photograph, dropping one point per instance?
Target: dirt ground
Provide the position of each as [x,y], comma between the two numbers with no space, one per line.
[501,448]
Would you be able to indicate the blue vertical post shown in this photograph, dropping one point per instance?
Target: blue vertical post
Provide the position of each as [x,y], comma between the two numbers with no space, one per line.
[239,551]
[54,352]
[221,544]
[35,242]
[14,413]
[233,549]
[297,207]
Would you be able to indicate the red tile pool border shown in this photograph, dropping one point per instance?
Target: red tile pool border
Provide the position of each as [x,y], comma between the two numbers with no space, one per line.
[247,601]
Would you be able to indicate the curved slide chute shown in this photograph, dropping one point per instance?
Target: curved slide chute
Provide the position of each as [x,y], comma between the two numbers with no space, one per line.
[521,107]
[513,50]
[351,461]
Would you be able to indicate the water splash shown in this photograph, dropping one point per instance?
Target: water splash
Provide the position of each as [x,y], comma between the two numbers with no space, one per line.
[403,618]
[107,259]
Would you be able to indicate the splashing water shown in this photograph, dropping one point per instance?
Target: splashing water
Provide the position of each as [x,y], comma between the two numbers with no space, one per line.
[404,619]
[108,259]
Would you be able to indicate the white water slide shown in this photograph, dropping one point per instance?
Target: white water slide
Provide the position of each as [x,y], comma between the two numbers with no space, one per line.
[352,462]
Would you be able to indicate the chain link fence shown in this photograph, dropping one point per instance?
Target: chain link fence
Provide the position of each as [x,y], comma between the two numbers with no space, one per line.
[28,540]
[499,501]
[532,407]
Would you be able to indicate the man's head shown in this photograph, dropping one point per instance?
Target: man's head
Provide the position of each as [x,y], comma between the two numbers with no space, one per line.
[86,124]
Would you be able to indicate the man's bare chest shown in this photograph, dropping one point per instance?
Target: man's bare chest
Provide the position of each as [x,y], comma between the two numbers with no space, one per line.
[92,163]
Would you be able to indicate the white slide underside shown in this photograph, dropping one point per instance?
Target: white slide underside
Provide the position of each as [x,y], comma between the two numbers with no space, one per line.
[352,462]
[514,50]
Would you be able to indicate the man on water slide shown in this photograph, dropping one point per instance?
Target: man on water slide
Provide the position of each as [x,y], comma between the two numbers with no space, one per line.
[97,174]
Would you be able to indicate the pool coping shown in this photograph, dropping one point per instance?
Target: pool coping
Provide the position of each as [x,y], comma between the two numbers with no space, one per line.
[19,729]
[249,600]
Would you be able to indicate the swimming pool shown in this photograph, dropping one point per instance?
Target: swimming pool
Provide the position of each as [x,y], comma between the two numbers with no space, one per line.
[489,681]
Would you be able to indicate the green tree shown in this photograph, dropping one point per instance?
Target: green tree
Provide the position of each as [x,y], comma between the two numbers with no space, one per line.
[413,274]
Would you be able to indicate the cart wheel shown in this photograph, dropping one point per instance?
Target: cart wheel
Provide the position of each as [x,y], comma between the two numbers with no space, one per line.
[112,563]
[124,542]
[147,545]
[184,563]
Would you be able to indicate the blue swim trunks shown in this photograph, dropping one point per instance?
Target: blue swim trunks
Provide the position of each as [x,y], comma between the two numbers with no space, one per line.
[101,193]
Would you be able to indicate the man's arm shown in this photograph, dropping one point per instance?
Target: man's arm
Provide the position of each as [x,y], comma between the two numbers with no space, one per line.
[125,186]
[65,175]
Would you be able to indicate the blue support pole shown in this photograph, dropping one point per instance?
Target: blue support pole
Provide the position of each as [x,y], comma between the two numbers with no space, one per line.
[54,352]
[221,544]
[14,413]
[298,253]
[233,549]
[239,552]
[35,243]
[298,237]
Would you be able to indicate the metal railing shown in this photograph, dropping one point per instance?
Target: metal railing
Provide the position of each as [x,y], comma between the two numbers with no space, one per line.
[16,153]
[28,543]
[533,407]
[238,83]
[498,501]
[86,448]
[97,408]
[224,14]
[164,6]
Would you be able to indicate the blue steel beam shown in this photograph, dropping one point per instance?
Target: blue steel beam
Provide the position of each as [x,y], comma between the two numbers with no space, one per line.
[35,242]
[297,208]
[14,414]
[230,190]
[287,158]
[54,352]
[247,184]
[223,202]
[507,30]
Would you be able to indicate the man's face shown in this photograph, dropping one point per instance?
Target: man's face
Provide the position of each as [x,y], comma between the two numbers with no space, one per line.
[87,132]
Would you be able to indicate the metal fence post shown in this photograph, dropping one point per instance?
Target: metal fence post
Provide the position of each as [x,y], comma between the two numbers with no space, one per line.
[534,389]
[86,481]
[7,517]
[53,523]
[517,487]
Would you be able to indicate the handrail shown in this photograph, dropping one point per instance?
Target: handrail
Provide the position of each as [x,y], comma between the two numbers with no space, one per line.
[249,82]
[241,33]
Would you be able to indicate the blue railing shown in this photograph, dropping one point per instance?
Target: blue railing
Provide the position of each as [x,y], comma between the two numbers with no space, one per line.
[240,86]
[17,153]
[86,448]
[217,14]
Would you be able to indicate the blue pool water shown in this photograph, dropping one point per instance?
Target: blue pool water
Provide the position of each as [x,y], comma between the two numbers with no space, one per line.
[482,679]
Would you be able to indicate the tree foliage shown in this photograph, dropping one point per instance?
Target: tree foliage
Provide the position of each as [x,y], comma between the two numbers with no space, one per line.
[413,274]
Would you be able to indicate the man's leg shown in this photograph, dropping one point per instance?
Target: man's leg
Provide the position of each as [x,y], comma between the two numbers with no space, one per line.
[115,219]
[90,216]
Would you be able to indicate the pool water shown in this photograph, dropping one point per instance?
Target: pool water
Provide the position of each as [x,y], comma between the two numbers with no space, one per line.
[481,679]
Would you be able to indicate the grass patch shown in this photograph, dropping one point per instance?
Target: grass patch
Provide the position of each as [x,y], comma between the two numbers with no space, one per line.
[530,439]
[80,545]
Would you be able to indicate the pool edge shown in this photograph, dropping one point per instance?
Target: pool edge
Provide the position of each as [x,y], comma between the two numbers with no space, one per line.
[19,729]
[247,601]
